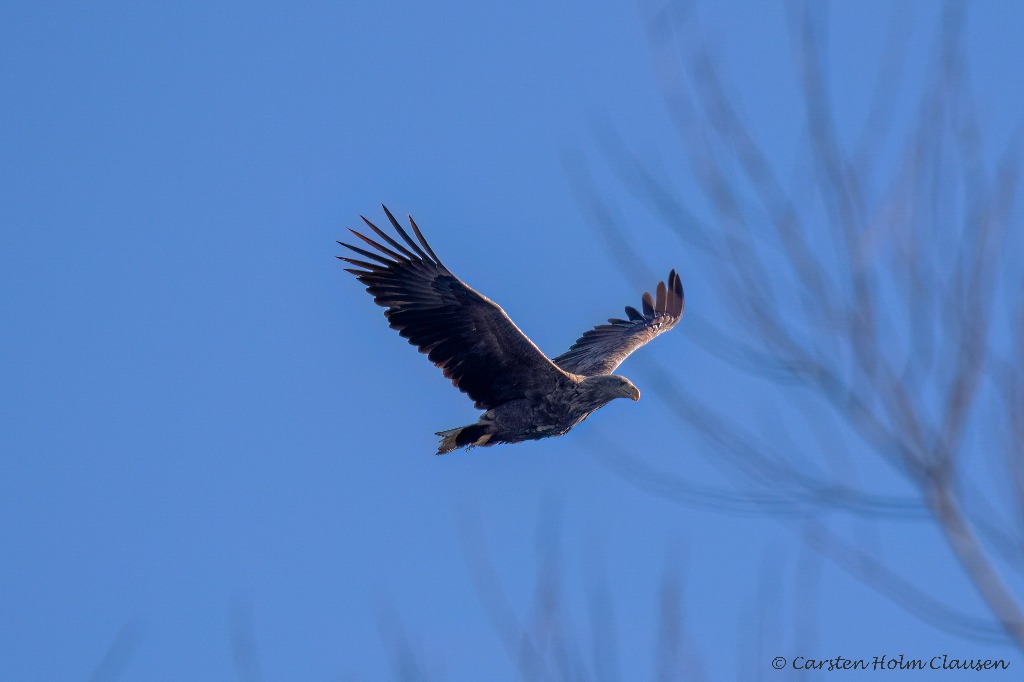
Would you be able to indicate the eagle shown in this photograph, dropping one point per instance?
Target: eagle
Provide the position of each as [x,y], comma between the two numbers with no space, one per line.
[524,395]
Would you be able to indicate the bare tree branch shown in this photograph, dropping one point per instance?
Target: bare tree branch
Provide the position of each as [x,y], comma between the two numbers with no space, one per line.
[872,296]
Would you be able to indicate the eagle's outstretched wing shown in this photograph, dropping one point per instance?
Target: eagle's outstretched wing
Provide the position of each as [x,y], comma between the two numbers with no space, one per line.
[603,348]
[464,333]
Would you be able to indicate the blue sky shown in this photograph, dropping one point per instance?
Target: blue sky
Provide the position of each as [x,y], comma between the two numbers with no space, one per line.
[203,415]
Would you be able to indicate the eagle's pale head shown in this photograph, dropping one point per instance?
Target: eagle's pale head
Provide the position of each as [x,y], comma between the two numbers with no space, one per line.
[611,386]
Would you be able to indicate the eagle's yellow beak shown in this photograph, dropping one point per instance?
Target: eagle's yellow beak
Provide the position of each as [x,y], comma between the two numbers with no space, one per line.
[635,394]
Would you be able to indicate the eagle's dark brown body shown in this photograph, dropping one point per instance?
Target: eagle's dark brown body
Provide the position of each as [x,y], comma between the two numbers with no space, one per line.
[542,416]
[525,395]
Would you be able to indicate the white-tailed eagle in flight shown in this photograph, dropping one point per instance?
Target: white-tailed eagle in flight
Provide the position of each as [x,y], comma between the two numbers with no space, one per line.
[526,396]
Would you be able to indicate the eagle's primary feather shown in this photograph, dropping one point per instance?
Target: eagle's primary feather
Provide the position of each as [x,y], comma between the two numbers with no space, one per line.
[526,396]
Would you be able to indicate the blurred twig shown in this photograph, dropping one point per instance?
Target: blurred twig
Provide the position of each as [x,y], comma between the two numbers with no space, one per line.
[118,657]
[242,632]
[547,645]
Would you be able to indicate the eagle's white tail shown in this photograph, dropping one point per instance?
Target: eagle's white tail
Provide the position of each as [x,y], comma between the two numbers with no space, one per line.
[462,437]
